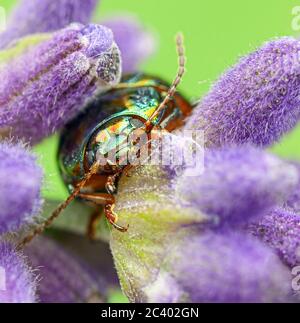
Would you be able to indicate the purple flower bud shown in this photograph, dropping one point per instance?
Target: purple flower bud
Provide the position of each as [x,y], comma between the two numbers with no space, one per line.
[256,101]
[17,282]
[134,42]
[63,277]
[20,187]
[220,268]
[47,85]
[237,183]
[36,16]
[280,229]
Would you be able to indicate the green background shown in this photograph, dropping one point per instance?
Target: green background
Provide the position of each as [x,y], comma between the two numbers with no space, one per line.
[216,34]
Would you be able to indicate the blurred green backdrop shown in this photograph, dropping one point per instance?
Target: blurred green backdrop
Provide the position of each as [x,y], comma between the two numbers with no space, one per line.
[216,33]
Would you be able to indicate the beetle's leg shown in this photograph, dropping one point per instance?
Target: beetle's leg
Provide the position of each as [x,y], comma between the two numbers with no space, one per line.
[112,217]
[98,198]
[108,201]
[92,224]
[110,185]
[127,169]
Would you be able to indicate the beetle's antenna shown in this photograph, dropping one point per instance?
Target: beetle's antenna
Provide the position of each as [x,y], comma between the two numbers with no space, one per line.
[39,229]
[181,69]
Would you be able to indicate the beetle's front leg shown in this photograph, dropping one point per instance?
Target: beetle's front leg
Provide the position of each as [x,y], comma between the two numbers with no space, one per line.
[98,198]
[112,217]
[110,185]
[108,201]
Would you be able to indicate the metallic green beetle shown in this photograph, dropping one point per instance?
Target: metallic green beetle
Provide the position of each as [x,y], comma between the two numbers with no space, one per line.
[140,104]
[102,130]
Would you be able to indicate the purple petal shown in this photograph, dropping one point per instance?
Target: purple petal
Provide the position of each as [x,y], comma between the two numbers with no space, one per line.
[63,277]
[135,43]
[36,16]
[220,268]
[17,282]
[45,87]
[256,101]
[280,229]
[237,184]
[20,187]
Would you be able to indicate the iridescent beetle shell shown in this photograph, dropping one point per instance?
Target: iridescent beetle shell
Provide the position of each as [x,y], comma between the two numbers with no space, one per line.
[104,125]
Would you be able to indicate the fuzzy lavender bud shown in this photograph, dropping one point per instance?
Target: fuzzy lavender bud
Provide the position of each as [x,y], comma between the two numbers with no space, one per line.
[48,84]
[256,101]
[220,268]
[17,282]
[238,183]
[20,187]
[36,16]
[280,229]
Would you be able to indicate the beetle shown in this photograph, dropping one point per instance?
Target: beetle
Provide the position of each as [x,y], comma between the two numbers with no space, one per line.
[140,103]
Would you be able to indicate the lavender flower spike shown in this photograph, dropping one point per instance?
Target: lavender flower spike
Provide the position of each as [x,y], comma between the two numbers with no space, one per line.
[135,43]
[63,278]
[256,101]
[280,229]
[17,282]
[238,183]
[37,16]
[211,267]
[20,187]
[48,84]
